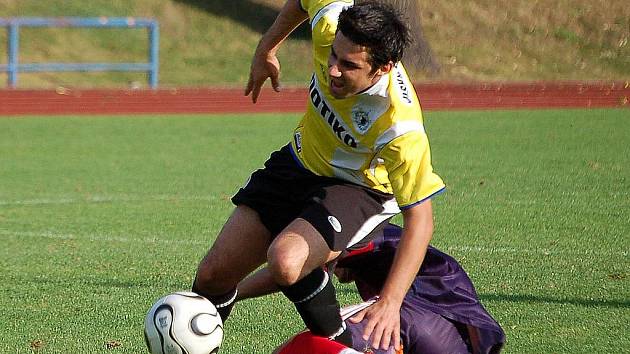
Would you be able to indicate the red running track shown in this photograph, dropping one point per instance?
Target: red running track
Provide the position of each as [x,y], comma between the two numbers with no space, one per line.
[433,96]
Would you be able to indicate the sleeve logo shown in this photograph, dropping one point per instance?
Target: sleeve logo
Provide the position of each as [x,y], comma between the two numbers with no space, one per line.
[334,222]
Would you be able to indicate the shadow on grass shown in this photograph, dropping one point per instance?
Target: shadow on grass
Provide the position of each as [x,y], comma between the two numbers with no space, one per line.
[107,283]
[257,17]
[533,299]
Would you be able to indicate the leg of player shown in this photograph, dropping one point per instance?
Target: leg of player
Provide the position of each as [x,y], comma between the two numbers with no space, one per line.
[297,251]
[239,249]
[295,259]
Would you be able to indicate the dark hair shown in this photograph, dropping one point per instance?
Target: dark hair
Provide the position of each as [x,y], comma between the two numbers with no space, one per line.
[379,28]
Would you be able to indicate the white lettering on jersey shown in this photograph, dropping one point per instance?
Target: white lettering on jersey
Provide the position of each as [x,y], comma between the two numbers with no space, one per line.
[325,111]
[405,94]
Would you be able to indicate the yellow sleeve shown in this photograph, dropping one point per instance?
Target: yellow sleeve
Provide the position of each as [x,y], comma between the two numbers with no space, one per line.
[323,16]
[408,162]
[313,6]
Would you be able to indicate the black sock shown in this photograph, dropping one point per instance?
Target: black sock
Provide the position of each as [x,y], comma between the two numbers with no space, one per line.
[316,302]
[224,303]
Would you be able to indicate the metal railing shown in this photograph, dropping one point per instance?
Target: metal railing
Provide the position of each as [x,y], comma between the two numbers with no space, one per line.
[13,66]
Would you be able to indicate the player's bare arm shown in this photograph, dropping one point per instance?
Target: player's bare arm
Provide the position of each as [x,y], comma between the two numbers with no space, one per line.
[384,316]
[265,64]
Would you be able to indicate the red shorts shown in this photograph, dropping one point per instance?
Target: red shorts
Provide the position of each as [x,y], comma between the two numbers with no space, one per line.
[306,342]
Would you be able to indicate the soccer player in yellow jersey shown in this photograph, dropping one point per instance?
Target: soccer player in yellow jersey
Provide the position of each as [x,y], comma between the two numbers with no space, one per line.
[359,156]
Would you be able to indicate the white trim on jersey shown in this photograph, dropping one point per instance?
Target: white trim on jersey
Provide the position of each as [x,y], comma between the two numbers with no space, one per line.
[396,130]
[379,88]
[332,9]
[348,160]
[351,310]
[350,176]
[390,208]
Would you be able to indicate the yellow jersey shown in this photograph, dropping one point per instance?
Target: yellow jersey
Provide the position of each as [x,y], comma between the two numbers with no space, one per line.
[376,138]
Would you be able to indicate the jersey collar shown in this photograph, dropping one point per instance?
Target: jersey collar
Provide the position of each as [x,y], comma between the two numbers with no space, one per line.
[379,88]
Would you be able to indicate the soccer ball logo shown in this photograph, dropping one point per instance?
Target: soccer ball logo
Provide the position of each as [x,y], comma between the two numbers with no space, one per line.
[183,323]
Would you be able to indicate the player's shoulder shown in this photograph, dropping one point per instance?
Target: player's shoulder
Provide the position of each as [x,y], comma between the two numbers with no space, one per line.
[401,91]
[322,12]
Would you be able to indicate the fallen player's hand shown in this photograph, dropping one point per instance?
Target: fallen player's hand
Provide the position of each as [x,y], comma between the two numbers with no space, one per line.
[383,324]
[264,66]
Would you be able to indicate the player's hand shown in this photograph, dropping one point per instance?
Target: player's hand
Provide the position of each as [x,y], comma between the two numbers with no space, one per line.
[383,324]
[264,66]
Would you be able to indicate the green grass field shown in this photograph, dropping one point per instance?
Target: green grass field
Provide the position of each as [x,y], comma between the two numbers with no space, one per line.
[100,216]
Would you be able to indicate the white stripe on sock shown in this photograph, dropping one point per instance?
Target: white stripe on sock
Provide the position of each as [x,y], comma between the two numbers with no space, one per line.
[317,291]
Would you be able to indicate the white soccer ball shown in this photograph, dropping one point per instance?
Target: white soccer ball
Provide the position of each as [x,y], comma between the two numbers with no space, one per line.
[183,323]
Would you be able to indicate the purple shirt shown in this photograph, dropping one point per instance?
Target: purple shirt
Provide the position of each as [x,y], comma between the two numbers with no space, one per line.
[441,311]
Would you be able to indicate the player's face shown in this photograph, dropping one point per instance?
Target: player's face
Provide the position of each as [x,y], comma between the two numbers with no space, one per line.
[348,68]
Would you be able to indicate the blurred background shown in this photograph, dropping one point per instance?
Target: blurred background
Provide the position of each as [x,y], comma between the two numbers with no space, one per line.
[210,42]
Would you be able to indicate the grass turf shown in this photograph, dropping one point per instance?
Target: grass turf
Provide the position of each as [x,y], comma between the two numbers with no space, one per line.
[100,216]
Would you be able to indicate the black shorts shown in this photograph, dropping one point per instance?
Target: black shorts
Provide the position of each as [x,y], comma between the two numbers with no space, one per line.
[345,214]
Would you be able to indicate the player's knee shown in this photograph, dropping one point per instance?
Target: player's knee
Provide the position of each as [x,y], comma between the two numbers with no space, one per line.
[211,278]
[284,273]
[285,264]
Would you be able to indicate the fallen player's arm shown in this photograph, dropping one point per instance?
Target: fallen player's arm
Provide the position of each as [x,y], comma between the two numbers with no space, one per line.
[414,241]
[384,316]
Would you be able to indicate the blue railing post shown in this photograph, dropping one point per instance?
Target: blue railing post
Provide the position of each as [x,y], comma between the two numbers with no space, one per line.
[13,67]
[154,47]
[13,50]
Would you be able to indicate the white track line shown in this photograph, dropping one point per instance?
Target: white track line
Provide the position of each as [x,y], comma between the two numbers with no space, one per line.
[159,240]
[105,199]
[537,251]
[103,238]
